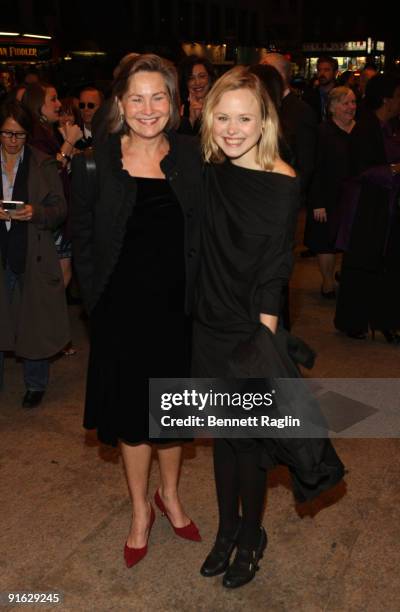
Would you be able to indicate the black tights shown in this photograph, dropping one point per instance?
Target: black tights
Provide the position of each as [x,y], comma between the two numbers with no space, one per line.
[238,476]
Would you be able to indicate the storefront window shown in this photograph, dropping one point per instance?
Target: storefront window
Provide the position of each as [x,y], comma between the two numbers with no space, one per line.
[346,63]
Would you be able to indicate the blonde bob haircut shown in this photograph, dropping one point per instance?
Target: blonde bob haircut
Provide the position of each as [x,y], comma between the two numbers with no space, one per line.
[240,78]
[144,63]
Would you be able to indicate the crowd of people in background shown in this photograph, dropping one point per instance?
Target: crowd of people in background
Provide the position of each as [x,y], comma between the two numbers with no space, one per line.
[164,236]
[318,137]
[114,188]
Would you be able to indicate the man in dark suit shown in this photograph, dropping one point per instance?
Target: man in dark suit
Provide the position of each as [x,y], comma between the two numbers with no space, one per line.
[317,97]
[299,126]
[90,100]
[299,122]
[369,71]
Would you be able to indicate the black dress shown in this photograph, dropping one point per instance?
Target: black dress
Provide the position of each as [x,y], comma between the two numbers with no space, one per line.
[369,294]
[138,327]
[332,168]
[247,258]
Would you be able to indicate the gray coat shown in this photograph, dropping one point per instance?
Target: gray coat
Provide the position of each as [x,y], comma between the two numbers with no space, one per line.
[35,325]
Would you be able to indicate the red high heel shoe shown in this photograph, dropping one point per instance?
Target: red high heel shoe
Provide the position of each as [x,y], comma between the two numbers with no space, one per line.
[134,555]
[189,532]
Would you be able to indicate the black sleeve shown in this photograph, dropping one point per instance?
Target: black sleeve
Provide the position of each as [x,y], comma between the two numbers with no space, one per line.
[278,267]
[82,226]
[306,144]
[321,176]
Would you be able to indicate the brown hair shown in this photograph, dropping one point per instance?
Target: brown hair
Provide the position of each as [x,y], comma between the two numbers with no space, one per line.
[15,110]
[34,98]
[241,78]
[144,63]
[68,107]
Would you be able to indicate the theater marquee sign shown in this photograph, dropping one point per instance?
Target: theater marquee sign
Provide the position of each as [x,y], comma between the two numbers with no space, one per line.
[24,53]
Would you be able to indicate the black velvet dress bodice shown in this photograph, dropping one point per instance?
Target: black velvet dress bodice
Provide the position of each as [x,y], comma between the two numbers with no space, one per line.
[152,255]
[138,328]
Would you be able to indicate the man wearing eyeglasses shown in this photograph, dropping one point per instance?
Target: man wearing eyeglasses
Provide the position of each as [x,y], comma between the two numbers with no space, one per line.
[90,100]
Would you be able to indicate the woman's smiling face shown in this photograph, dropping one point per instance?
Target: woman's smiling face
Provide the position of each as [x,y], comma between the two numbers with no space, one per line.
[199,82]
[146,105]
[237,126]
[345,108]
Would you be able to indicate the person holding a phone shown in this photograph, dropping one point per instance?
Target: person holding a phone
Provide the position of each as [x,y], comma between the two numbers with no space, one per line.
[33,315]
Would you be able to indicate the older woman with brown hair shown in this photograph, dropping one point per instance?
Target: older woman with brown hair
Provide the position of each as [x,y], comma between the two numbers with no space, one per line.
[34,326]
[136,242]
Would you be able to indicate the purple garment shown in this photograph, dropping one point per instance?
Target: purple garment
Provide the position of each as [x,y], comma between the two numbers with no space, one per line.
[377,175]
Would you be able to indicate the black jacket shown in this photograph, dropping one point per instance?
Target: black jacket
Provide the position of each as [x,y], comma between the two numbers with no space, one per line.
[372,234]
[299,126]
[313,98]
[84,143]
[98,220]
[313,463]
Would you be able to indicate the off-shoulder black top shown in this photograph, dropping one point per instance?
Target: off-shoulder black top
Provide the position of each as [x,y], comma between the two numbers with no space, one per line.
[250,220]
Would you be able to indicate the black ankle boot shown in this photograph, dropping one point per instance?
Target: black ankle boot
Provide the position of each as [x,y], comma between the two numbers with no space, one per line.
[245,564]
[218,559]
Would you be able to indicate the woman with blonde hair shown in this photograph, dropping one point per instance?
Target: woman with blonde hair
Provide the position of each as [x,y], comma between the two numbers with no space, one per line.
[247,258]
[250,218]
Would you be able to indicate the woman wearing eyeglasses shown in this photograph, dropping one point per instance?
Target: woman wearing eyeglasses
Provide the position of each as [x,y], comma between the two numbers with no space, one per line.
[32,206]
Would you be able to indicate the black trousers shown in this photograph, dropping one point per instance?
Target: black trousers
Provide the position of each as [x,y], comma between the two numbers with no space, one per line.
[239,479]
